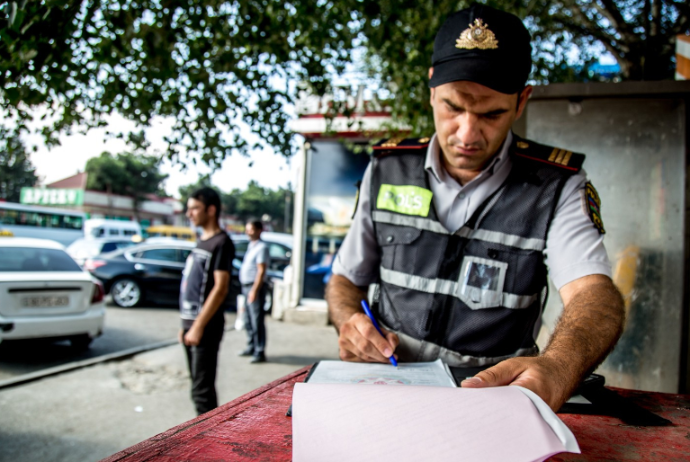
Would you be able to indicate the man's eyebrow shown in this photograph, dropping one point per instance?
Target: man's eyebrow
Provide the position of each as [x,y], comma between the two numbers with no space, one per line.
[493,113]
[452,105]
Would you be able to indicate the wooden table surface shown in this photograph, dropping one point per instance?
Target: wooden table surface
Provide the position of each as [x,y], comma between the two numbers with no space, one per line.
[254,427]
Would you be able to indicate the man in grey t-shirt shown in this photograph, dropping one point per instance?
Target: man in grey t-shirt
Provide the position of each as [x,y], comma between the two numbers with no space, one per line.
[253,278]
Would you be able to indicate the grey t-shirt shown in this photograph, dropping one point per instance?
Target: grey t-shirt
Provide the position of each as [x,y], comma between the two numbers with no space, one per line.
[574,247]
[257,252]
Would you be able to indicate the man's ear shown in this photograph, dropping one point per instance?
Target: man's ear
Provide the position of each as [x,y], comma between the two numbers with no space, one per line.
[431,98]
[431,72]
[523,96]
[212,210]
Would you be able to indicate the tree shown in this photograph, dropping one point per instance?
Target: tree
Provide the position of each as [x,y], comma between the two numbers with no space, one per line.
[16,170]
[204,63]
[209,63]
[126,174]
[640,34]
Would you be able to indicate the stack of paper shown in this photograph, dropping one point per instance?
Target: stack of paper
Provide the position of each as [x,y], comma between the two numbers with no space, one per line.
[366,422]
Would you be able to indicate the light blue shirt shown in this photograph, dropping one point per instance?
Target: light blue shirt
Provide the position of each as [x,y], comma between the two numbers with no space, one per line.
[257,252]
[574,247]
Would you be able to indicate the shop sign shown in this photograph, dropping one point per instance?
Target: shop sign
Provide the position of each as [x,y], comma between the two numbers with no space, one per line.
[52,196]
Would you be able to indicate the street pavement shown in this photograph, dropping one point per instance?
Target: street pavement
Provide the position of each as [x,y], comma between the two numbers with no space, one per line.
[93,412]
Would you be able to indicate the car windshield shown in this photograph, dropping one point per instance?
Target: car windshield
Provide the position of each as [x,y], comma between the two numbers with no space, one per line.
[26,259]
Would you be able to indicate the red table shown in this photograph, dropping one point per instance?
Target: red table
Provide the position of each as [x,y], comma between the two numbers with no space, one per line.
[254,427]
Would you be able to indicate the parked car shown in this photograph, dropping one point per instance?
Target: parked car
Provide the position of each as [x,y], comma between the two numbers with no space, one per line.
[144,272]
[152,272]
[84,248]
[100,227]
[45,294]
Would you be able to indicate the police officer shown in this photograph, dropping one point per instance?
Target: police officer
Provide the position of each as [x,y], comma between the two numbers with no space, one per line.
[459,230]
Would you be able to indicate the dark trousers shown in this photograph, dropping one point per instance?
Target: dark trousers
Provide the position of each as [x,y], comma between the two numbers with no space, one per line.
[254,320]
[202,360]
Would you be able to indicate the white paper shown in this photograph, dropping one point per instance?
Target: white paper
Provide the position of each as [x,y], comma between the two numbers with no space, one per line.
[344,422]
[434,373]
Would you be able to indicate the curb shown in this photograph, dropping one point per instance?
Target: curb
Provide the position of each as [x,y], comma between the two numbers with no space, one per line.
[26,378]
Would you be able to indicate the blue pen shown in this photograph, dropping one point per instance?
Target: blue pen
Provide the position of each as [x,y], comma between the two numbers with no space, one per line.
[365,305]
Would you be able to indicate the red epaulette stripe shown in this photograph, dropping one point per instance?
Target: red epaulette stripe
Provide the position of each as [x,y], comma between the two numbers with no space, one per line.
[547,162]
[421,146]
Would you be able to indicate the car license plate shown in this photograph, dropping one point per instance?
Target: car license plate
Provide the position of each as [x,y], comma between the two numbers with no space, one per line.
[45,301]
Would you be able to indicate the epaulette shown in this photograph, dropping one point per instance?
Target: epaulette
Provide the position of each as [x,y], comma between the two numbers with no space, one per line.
[392,145]
[547,154]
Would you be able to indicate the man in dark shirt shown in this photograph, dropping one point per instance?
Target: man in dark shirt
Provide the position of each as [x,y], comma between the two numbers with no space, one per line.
[205,284]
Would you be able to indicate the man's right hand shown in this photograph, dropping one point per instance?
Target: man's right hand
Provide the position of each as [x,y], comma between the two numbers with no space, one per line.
[360,341]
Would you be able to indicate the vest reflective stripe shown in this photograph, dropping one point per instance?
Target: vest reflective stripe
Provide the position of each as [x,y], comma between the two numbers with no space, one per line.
[497,237]
[413,350]
[427,224]
[452,288]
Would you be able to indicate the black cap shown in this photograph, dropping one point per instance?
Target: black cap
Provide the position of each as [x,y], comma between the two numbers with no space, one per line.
[483,45]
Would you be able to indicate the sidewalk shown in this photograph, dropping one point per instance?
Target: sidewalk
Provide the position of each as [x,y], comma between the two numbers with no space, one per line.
[91,413]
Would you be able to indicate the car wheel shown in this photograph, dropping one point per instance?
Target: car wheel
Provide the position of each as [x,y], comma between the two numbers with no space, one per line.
[126,293]
[80,342]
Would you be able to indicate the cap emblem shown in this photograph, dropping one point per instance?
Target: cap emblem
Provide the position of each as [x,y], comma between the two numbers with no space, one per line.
[477,36]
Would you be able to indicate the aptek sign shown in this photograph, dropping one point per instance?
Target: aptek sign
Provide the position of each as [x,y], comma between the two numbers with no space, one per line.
[52,196]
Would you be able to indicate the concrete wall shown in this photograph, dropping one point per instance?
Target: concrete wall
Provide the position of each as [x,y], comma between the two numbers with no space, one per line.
[635,136]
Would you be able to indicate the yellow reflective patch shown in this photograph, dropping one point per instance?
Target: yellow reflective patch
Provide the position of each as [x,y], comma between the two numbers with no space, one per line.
[408,200]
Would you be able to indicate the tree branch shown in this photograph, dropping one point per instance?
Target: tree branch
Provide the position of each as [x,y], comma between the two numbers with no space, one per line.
[611,12]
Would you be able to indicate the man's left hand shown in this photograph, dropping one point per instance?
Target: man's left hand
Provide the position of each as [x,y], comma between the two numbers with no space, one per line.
[542,375]
[193,336]
[251,296]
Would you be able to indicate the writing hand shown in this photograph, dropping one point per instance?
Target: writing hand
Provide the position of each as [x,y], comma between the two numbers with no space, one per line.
[544,376]
[359,341]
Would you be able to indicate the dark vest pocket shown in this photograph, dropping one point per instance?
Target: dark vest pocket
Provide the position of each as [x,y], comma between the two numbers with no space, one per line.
[395,242]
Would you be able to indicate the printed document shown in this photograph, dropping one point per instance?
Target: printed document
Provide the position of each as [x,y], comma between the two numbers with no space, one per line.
[434,374]
[345,422]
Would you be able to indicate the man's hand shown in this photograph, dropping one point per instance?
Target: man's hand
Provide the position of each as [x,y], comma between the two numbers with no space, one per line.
[251,296]
[542,375]
[193,336]
[591,323]
[360,341]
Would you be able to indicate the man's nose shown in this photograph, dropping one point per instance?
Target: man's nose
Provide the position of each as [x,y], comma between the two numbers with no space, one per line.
[468,131]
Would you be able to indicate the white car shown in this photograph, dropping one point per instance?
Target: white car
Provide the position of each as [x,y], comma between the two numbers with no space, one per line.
[45,294]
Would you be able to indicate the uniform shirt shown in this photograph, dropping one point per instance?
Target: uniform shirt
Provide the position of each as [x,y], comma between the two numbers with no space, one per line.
[574,247]
[214,254]
[257,252]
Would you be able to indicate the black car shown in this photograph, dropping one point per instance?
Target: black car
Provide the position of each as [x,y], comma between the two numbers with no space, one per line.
[84,248]
[153,273]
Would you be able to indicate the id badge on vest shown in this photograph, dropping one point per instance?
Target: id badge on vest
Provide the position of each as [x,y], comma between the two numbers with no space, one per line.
[482,281]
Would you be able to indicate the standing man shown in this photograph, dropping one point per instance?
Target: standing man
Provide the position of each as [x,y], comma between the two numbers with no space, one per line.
[461,230]
[253,278]
[205,283]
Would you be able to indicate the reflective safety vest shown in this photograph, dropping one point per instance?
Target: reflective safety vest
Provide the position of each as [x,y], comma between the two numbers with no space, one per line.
[472,296]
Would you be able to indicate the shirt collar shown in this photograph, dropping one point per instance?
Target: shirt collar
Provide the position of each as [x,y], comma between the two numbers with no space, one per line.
[433,158]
